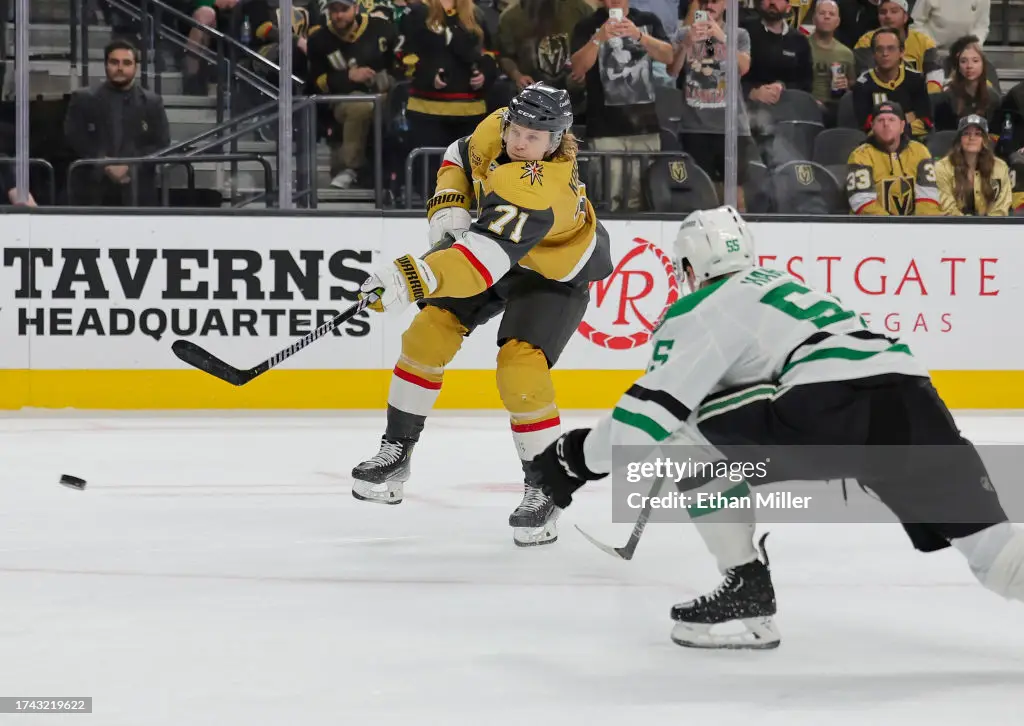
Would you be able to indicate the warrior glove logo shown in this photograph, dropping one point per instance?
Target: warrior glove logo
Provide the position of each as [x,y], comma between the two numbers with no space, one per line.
[411,274]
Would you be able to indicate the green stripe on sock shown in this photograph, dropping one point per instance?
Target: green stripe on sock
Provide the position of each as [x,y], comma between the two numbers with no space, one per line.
[649,426]
[695,510]
[846,354]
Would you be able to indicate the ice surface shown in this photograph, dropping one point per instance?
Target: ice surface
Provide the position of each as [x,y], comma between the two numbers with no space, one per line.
[218,571]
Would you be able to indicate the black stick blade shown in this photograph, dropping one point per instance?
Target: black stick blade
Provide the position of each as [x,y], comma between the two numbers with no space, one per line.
[207,362]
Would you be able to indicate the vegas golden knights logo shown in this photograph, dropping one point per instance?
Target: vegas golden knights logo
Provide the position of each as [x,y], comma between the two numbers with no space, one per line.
[899,197]
[805,174]
[300,21]
[677,170]
[553,54]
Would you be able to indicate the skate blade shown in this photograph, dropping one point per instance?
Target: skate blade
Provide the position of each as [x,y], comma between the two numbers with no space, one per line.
[377,493]
[757,634]
[374,500]
[534,536]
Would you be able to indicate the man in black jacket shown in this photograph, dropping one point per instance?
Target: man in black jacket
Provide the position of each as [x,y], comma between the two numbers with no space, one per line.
[117,119]
[780,56]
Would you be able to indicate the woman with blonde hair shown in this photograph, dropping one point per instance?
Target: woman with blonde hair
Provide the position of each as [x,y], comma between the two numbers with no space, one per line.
[972,180]
[454,68]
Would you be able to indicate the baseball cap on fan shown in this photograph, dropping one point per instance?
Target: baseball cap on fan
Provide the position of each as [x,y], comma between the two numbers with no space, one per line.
[343,3]
[888,107]
[970,120]
[901,3]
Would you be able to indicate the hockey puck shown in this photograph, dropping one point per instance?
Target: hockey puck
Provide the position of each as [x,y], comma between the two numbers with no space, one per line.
[72,482]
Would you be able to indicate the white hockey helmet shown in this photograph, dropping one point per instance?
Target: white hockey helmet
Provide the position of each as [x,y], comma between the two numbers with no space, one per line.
[714,242]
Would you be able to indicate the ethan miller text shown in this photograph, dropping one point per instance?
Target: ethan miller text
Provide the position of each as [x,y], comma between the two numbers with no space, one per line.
[760,500]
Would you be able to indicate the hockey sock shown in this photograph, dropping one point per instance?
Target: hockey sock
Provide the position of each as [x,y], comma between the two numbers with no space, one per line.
[727,531]
[428,345]
[526,389]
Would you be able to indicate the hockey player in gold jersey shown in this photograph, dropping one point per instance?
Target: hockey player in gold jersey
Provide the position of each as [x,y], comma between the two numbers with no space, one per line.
[891,174]
[529,256]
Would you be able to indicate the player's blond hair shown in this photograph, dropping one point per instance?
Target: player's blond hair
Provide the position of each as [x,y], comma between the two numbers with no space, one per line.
[568,148]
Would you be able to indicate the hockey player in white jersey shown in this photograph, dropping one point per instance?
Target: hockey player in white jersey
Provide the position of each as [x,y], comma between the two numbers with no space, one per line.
[754,357]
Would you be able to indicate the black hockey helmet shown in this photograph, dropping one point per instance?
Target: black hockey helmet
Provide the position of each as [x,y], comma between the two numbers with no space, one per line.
[541,107]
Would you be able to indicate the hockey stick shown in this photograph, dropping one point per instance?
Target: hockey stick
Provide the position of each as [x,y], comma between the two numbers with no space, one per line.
[200,358]
[626,551]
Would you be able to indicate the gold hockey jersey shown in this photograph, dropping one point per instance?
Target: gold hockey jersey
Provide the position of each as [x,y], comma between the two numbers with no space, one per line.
[533,214]
[900,184]
[1000,181]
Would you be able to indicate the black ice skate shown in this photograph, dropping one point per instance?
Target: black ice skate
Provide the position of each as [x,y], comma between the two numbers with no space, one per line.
[533,521]
[380,478]
[745,598]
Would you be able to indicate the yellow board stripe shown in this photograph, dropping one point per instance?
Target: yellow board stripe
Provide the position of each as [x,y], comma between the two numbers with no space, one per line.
[368,389]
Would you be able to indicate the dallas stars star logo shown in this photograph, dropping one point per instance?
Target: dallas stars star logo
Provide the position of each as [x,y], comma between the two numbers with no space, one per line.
[533,171]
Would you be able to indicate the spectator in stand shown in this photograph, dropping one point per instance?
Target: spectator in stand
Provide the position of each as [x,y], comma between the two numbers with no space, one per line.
[834,73]
[801,15]
[780,56]
[455,68]
[8,190]
[891,175]
[216,14]
[892,80]
[615,58]
[919,51]
[701,63]
[117,119]
[967,91]
[856,19]
[535,44]
[944,21]
[352,54]
[972,180]
[394,11]
[265,20]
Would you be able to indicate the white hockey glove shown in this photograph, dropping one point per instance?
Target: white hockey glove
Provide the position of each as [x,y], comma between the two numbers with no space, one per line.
[455,220]
[399,283]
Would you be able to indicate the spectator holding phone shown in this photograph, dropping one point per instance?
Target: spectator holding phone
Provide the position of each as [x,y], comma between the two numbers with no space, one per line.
[700,62]
[614,51]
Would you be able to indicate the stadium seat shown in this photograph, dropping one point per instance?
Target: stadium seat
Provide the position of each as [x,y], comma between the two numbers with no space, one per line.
[678,184]
[846,117]
[796,105]
[940,142]
[833,146]
[804,187]
[670,141]
[791,141]
[668,103]
[757,191]
[839,171]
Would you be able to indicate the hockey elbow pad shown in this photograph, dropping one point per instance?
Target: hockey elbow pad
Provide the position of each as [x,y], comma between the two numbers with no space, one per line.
[453,220]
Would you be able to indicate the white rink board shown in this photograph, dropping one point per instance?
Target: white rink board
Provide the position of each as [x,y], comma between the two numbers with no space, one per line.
[950,291]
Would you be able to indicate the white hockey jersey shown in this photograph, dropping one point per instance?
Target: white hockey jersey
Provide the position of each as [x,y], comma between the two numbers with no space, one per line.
[759,327]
